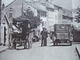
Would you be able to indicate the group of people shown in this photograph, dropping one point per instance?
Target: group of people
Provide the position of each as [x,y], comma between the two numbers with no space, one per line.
[44,36]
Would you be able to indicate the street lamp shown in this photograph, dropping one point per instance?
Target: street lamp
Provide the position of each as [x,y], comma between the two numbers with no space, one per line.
[0,21]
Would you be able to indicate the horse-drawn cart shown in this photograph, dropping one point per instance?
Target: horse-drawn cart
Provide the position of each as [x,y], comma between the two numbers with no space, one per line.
[19,31]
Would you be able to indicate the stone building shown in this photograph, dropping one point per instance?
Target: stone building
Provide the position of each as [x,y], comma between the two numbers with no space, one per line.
[55,14]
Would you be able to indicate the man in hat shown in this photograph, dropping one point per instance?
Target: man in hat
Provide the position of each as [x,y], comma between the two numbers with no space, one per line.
[44,35]
[25,34]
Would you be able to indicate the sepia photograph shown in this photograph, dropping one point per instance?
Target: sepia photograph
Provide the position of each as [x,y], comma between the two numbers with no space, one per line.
[39,29]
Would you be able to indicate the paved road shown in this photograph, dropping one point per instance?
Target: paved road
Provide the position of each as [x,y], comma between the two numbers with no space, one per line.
[41,53]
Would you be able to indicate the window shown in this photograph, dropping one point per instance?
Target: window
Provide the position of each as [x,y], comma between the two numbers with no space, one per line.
[42,13]
[10,15]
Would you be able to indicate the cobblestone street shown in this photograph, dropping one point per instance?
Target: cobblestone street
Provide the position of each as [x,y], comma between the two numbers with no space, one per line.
[42,53]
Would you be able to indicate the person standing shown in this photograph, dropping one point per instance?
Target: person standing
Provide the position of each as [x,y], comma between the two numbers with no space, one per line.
[25,34]
[44,35]
[52,36]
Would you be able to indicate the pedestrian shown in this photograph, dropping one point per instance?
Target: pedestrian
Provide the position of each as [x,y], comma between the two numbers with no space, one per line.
[44,35]
[52,36]
[25,34]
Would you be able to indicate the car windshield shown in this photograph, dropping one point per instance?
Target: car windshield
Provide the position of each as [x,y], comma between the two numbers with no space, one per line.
[62,28]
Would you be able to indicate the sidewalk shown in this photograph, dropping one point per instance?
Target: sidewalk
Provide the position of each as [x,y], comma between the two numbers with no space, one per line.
[3,48]
[78,49]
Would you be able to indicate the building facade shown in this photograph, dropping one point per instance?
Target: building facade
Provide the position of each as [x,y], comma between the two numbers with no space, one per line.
[16,9]
[13,10]
[49,13]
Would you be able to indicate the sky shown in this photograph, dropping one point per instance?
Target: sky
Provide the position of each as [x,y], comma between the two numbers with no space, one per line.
[76,3]
[6,2]
[68,4]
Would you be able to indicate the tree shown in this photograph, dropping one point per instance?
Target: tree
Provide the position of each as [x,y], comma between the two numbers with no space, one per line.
[78,15]
[34,20]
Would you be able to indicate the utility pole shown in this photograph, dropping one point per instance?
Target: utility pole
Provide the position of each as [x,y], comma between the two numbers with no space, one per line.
[0,21]
[22,8]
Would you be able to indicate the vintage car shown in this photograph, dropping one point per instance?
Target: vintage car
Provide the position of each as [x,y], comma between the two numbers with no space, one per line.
[63,34]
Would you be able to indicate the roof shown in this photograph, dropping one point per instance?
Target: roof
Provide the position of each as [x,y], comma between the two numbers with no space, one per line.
[48,4]
[10,3]
[37,5]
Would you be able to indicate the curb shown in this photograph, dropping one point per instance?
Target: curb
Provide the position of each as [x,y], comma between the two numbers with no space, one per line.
[3,50]
[78,52]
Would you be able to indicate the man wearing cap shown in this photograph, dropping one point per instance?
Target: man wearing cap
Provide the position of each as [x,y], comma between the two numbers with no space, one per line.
[44,35]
